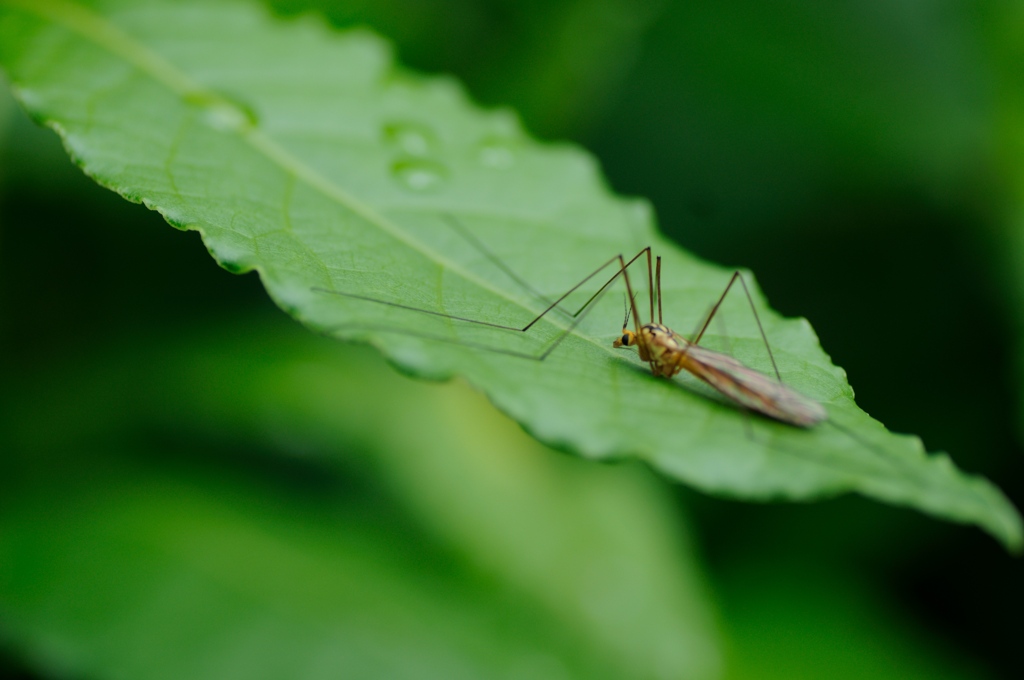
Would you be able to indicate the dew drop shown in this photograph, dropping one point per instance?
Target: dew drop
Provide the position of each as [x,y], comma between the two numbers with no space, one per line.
[496,152]
[222,112]
[410,138]
[419,174]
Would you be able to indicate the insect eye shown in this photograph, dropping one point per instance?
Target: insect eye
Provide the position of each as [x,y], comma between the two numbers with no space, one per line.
[625,339]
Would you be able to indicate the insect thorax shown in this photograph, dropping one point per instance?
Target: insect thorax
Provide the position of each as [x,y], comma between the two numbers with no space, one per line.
[662,347]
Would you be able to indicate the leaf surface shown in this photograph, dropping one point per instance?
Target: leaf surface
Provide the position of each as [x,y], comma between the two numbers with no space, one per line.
[307,155]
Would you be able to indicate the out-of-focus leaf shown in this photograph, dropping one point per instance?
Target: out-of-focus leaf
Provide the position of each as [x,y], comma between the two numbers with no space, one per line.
[462,548]
[789,622]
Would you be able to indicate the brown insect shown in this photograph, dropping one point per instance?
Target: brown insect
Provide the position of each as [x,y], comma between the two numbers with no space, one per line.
[667,353]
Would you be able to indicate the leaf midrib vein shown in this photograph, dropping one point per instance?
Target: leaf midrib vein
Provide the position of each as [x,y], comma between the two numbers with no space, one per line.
[106,35]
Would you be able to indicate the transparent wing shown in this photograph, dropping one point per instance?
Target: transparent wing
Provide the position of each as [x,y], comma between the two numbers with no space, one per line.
[751,389]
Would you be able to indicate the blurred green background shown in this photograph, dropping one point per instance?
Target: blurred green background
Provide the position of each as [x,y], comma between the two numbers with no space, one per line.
[193,486]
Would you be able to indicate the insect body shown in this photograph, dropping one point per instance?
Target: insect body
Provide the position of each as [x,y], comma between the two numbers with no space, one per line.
[668,353]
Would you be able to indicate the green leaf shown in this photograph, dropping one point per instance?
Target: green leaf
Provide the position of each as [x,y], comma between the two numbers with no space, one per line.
[308,156]
[146,556]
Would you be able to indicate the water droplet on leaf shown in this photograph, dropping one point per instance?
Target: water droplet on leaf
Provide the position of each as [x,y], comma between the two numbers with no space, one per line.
[496,152]
[222,112]
[419,174]
[410,138]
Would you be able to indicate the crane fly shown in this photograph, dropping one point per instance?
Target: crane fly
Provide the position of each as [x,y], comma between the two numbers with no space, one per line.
[665,351]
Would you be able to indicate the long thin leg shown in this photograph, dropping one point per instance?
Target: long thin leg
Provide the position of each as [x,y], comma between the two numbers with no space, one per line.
[714,310]
[578,316]
[658,279]
[472,240]
[650,284]
[491,324]
[632,297]
[577,320]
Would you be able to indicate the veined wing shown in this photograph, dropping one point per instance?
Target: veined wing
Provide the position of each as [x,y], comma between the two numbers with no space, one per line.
[751,389]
